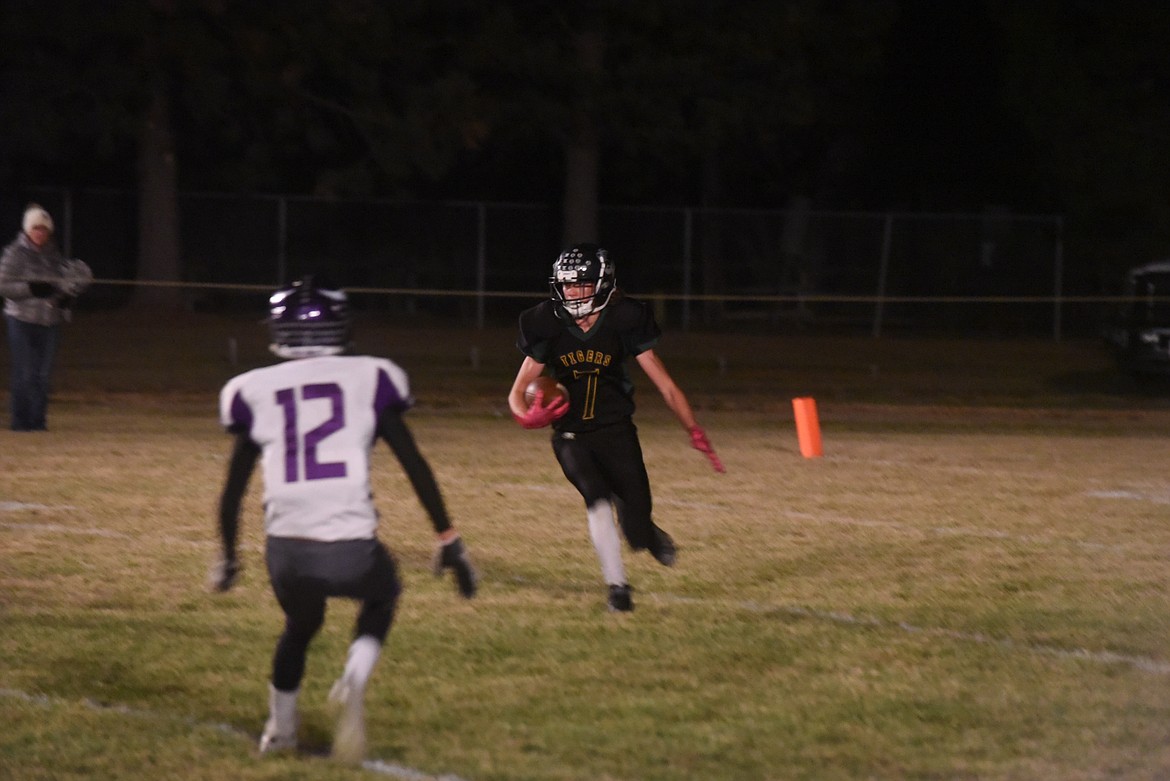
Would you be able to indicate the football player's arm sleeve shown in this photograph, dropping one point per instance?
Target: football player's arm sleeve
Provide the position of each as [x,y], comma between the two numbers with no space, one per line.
[450,553]
[392,428]
[240,466]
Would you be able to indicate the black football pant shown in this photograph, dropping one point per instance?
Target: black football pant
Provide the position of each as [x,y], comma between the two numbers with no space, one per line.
[304,573]
[607,465]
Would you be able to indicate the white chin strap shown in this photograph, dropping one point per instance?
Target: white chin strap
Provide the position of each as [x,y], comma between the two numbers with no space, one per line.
[581,308]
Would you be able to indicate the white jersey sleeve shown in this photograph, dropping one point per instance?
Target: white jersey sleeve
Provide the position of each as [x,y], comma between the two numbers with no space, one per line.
[315,420]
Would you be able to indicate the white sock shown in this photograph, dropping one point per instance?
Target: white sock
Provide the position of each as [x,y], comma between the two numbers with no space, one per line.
[363,654]
[282,709]
[607,542]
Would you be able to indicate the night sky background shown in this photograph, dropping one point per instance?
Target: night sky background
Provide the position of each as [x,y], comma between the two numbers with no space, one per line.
[1038,107]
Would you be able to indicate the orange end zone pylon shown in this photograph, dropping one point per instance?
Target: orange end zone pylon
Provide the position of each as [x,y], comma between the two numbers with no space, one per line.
[808,427]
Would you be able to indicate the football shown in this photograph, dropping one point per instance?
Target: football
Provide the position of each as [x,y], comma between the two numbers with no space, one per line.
[553,391]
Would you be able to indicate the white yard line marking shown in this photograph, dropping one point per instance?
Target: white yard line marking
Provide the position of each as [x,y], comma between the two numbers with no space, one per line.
[545,488]
[1133,495]
[1143,663]
[93,531]
[571,494]
[957,531]
[960,531]
[56,528]
[695,505]
[960,469]
[377,766]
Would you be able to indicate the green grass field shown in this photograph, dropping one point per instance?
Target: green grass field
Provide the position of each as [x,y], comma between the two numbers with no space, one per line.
[972,583]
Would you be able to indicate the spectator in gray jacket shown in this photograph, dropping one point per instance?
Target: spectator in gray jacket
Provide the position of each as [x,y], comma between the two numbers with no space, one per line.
[39,286]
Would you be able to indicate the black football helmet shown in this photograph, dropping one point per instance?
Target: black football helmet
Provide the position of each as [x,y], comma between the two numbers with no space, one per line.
[308,319]
[583,264]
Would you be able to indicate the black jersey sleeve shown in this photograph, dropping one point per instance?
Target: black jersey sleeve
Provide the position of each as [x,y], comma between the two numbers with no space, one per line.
[538,327]
[245,453]
[638,327]
[393,429]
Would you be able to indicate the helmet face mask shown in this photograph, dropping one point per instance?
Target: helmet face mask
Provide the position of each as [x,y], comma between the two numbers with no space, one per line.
[307,320]
[582,266]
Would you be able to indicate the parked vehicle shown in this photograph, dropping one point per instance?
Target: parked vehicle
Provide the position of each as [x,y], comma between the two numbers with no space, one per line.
[1139,332]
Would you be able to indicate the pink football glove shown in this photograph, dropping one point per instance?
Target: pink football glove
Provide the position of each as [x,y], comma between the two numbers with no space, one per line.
[538,415]
[700,442]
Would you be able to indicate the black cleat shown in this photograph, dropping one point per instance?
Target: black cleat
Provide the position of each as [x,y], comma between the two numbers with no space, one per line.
[663,548]
[620,600]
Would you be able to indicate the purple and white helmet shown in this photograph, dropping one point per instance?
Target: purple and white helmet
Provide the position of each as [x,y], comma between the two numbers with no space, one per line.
[308,319]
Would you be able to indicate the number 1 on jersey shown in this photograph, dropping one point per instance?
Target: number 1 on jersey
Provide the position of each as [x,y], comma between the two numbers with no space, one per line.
[592,376]
[295,444]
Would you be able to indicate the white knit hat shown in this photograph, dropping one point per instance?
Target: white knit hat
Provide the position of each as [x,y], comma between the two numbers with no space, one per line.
[34,215]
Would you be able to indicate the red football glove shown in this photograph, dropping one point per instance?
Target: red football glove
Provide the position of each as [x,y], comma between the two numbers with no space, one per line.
[700,442]
[538,415]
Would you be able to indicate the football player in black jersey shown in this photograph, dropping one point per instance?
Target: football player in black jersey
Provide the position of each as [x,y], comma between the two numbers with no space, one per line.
[583,336]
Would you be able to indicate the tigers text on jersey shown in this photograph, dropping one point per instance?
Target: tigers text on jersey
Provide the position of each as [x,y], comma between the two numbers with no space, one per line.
[315,421]
[590,364]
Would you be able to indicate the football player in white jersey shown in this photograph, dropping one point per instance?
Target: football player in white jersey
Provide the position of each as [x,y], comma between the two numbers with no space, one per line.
[312,421]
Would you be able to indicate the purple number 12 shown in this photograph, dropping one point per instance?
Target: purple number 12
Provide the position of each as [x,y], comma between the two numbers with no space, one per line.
[287,399]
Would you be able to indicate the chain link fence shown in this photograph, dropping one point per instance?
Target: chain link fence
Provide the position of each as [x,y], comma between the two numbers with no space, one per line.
[990,273]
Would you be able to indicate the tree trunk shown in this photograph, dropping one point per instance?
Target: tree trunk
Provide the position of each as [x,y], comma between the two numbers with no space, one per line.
[582,152]
[582,159]
[158,210]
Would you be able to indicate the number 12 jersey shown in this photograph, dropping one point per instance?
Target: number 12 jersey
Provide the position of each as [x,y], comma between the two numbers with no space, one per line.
[315,421]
